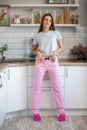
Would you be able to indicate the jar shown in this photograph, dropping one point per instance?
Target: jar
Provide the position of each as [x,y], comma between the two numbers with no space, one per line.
[67,15]
[54,16]
[31,20]
[61,18]
[39,17]
[24,20]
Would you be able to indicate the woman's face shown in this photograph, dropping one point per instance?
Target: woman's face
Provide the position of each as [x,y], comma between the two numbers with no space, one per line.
[47,22]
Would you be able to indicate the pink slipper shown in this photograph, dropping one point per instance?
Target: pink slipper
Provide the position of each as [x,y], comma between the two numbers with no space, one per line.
[37,117]
[61,117]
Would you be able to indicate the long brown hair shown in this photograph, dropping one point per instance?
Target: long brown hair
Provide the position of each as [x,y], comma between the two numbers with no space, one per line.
[52,27]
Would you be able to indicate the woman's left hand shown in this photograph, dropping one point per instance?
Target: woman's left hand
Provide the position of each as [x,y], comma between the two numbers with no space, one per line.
[53,57]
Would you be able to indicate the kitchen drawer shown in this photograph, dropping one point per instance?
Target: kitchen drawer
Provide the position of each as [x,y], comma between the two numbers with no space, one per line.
[47,98]
[46,82]
[31,71]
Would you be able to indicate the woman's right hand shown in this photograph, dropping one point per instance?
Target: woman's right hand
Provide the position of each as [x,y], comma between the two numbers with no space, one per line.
[39,56]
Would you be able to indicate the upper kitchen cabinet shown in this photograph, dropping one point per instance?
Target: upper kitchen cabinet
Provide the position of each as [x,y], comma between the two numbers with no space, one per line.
[31,14]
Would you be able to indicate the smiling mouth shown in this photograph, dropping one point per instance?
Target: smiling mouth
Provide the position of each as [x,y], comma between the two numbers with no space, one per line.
[48,24]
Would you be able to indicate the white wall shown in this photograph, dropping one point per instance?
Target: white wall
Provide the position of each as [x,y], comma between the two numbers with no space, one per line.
[17,38]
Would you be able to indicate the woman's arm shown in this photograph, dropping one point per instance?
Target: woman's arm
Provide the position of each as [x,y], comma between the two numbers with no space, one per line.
[60,44]
[61,47]
[36,52]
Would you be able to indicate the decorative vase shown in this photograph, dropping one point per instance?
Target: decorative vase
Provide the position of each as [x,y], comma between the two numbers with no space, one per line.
[3,57]
[80,59]
[85,59]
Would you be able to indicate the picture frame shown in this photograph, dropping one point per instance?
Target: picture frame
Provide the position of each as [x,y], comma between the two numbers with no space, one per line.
[61,1]
[4,15]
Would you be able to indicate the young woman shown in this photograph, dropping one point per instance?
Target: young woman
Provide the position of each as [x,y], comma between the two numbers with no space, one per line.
[47,43]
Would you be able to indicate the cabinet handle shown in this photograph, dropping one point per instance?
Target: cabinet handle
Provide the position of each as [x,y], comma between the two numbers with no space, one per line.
[66,72]
[46,90]
[46,78]
[8,74]
[1,81]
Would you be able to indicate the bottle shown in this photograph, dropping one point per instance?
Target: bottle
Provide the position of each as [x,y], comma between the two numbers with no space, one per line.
[31,20]
[67,15]
[54,16]
[61,18]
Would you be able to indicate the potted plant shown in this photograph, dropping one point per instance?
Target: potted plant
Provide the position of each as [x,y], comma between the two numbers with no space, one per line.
[79,51]
[2,49]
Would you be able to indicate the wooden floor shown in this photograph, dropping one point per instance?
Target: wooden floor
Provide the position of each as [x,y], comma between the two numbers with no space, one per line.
[47,123]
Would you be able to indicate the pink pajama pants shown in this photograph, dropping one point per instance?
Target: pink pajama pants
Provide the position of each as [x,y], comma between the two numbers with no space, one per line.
[53,70]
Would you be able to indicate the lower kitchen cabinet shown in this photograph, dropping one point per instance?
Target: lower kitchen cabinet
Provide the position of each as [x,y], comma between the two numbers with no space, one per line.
[3,79]
[47,97]
[17,88]
[76,87]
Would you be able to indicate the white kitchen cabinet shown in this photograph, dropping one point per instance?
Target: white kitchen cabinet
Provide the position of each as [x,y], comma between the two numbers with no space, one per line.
[17,88]
[3,80]
[3,91]
[76,87]
[47,98]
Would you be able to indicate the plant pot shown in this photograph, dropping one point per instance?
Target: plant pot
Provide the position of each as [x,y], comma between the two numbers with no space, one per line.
[80,58]
[85,59]
[3,58]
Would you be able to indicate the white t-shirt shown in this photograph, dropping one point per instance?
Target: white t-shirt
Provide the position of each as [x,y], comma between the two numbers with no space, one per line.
[47,42]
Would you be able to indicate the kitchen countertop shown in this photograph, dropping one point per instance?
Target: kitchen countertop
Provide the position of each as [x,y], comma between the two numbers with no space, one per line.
[62,62]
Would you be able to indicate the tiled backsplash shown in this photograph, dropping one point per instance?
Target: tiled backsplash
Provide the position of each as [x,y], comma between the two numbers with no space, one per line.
[17,39]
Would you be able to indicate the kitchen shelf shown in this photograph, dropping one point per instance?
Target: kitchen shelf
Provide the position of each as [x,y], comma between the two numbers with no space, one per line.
[44,5]
[37,25]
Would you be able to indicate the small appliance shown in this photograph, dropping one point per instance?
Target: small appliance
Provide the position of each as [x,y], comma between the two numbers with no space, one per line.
[31,55]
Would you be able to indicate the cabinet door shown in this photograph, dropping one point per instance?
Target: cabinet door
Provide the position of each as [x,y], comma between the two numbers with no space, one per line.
[17,88]
[3,92]
[2,96]
[76,87]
